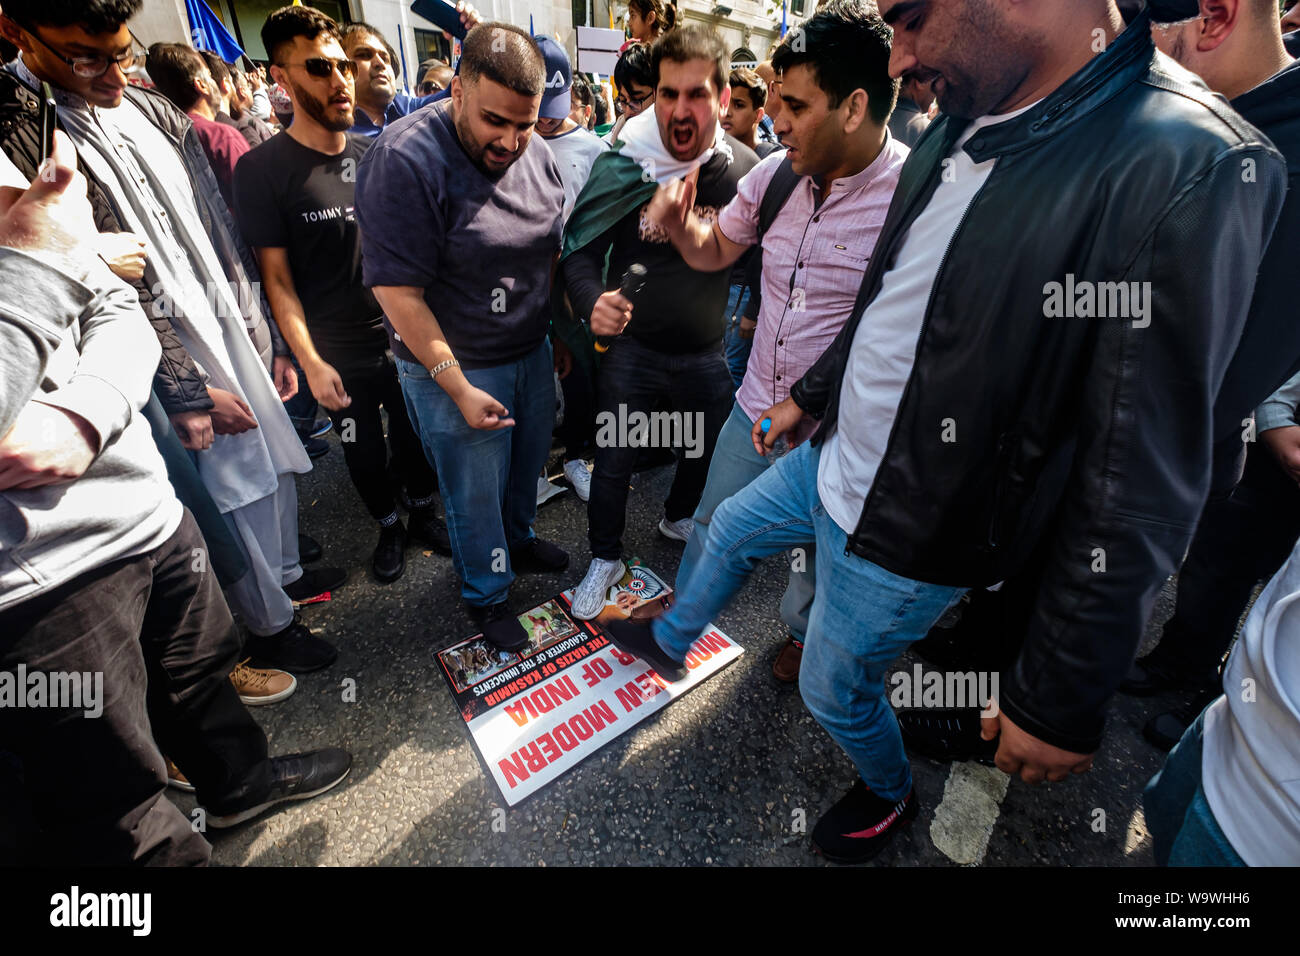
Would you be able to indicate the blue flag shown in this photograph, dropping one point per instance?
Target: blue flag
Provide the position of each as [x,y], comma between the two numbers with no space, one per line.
[208,33]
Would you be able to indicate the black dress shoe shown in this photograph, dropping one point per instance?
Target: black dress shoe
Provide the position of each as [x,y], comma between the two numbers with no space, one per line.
[1154,674]
[315,582]
[293,777]
[536,556]
[1165,730]
[500,628]
[295,649]
[426,527]
[946,735]
[389,559]
[309,549]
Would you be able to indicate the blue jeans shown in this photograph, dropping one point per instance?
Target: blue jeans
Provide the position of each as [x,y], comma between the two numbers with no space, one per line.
[735,464]
[862,617]
[488,478]
[736,349]
[1183,829]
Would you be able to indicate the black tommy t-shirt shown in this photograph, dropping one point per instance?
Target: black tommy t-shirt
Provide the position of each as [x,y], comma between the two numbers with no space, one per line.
[288,195]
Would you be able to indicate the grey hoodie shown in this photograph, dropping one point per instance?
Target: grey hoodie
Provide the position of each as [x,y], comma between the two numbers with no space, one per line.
[85,347]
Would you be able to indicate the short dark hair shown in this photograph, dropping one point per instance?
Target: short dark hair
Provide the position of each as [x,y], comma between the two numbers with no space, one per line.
[846,46]
[93,16]
[217,67]
[692,42]
[174,69]
[504,54]
[635,66]
[751,82]
[283,25]
[360,26]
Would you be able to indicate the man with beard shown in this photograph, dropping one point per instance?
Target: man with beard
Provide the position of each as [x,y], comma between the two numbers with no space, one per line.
[461,214]
[670,354]
[183,77]
[972,420]
[294,199]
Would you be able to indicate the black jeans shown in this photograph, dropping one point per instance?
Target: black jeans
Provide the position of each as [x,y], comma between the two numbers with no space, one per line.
[577,433]
[695,388]
[157,628]
[370,384]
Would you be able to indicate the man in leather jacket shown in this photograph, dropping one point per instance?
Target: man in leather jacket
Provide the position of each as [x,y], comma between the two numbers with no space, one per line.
[1063,276]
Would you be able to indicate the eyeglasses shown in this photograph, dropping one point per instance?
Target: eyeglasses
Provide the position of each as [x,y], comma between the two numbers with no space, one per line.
[92,67]
[633,102]
[323,68]
[428,87]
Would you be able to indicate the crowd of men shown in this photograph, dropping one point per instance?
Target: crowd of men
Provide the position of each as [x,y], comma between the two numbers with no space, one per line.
[964,302]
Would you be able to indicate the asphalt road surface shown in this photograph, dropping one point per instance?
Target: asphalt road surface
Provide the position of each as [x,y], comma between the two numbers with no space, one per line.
[734,773]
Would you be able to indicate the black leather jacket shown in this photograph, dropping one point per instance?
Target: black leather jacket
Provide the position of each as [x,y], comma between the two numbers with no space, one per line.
[1090,437]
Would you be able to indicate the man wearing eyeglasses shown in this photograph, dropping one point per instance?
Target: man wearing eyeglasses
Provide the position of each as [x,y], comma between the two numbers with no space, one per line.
[141,152]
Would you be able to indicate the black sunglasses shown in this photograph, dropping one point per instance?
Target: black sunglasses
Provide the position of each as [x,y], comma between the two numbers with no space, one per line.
[323,68]
[428,87]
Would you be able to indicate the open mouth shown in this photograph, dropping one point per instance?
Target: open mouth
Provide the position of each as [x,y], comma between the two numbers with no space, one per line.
[682,136]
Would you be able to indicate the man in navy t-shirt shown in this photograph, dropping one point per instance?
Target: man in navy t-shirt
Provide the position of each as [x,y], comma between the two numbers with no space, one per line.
[461,212]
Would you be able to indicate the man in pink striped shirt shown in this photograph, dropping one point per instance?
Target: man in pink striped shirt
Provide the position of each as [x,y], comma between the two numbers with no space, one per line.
[834,125]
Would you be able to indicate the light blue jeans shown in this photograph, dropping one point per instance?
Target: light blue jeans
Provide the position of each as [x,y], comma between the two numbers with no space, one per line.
[488,478]
[734,465]
[862,617]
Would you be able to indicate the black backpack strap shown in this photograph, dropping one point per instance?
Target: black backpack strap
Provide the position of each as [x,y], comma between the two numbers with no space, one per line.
[774,199]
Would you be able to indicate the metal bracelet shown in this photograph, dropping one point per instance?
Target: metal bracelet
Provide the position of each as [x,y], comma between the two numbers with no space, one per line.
[442,367]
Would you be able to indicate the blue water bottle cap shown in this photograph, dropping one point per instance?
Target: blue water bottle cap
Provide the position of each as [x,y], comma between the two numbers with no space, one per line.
[766,425]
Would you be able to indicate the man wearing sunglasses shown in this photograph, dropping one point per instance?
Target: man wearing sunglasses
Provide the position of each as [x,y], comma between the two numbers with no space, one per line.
[294,197]
[142,153]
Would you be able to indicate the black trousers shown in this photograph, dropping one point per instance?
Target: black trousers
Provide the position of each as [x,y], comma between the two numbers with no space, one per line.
[634,380]
[1241,540]
[157,628]
[371,384]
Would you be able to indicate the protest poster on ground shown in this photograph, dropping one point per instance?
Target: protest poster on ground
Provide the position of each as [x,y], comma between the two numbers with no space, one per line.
[535,714]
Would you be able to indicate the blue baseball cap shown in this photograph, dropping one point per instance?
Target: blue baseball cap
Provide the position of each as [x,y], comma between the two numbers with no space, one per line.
[559,79]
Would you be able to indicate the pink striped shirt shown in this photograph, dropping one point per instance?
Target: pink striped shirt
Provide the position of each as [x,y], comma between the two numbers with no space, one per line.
[814,259]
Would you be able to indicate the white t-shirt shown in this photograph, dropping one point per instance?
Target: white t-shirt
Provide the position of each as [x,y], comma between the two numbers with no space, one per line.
[575,151]
[884,344]
[1250,761]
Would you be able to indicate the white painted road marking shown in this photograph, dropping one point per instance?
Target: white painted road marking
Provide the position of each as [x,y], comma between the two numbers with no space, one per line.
[963,821]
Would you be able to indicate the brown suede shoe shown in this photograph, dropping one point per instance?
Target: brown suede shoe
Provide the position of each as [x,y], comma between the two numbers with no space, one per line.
[786,666]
